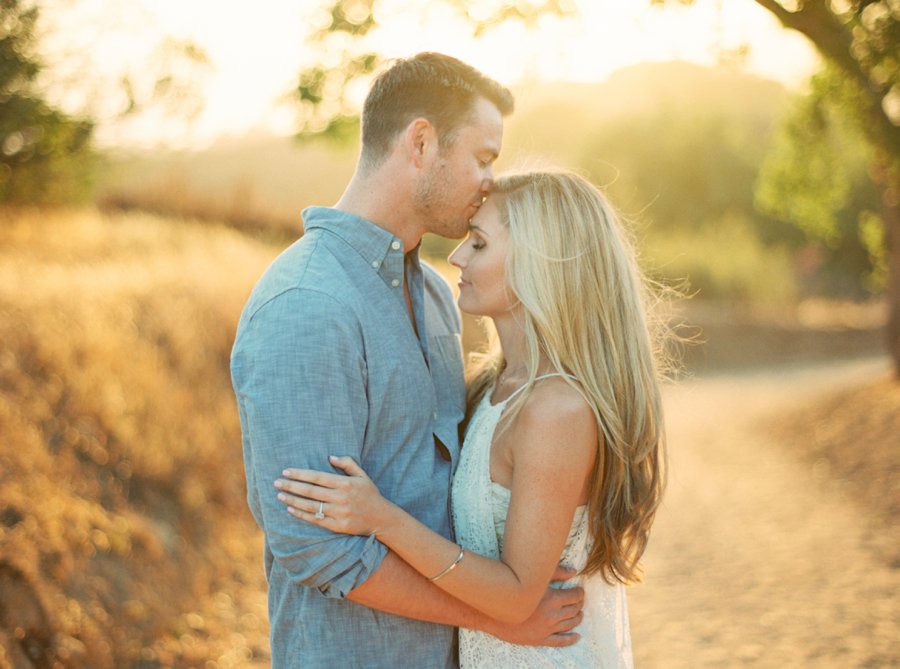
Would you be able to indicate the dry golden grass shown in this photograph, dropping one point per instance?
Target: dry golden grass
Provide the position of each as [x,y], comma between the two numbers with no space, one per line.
[124,537]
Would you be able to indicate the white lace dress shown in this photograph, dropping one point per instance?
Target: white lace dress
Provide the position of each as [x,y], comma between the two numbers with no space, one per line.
[479,514]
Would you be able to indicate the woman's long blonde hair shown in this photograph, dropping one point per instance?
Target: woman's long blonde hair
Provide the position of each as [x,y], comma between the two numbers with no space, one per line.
[584,301]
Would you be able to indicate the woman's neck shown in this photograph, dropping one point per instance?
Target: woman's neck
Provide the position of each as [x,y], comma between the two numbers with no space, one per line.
[512,343]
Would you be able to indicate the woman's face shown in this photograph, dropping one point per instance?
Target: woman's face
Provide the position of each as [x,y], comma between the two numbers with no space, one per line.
[481,260]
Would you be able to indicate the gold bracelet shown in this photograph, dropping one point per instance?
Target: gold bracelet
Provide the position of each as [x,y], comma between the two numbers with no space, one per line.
[451,567]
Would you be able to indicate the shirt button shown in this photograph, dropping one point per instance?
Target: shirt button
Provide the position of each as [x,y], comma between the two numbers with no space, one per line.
[375,264]
[395,282]
[395,245]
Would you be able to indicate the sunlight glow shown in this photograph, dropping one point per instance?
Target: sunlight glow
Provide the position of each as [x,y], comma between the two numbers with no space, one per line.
[257,53]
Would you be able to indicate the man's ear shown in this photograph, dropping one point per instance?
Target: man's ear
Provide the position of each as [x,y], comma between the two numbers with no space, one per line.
[419,140]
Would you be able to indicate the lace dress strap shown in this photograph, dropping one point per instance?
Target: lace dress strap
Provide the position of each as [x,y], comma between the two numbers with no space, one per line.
[542,376]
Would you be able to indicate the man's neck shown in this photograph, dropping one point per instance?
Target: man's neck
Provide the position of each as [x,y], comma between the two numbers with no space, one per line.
[378,200]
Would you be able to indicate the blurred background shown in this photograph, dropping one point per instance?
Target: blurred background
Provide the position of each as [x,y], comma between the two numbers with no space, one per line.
[155,156]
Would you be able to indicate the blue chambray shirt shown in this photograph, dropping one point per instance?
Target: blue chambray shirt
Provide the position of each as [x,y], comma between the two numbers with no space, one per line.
[325,362]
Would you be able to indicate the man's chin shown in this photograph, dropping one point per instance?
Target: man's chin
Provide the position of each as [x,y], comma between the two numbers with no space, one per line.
[454,230]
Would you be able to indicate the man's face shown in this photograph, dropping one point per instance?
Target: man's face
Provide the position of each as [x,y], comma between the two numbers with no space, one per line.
[453,187]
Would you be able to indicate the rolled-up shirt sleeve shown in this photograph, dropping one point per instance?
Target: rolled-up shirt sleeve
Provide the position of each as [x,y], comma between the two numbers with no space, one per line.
[299,372]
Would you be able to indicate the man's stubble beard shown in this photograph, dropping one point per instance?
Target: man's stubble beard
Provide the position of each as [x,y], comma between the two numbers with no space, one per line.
[433,204]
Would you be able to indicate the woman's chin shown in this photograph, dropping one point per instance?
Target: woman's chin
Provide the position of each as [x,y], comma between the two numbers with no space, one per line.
[467,307]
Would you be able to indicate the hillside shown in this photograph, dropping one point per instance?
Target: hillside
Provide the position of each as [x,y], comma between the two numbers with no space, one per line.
[274,178]
[639,91]
[257,182]
[676,147]
[124,537]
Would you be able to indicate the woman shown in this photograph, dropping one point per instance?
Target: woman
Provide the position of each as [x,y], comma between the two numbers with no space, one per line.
[563,451]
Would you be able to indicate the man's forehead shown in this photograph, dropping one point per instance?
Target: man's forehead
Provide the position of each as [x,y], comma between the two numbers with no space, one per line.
[485,119]
[481,141]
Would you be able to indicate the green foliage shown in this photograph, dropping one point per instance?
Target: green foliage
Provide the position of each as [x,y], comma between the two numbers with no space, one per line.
[45,155]
[528,12]
[354,17]
[682,178]
[815,177]
[724,261]
[871,234]
[325,108]
[689,168]
[678,151]
[805,179]
[679,147]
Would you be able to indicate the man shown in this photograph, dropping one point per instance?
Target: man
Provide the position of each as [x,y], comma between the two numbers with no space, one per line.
[348,345]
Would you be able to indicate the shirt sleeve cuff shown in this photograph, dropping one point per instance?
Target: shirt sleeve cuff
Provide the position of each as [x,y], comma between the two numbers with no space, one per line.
[362,567]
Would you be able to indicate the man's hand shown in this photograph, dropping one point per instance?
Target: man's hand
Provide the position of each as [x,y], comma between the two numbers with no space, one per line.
[550,625]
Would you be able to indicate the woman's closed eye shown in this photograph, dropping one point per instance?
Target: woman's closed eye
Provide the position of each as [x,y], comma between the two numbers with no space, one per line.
[475,240]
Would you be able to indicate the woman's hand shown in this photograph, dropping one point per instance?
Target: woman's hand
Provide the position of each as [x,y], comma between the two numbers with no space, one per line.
[348,504]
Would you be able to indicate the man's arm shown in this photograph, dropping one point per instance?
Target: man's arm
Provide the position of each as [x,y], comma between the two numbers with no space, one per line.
[299,370]
[397,588]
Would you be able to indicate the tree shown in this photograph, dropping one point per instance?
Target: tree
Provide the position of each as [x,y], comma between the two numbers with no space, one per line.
[859,38]
[44,153]
[816,177]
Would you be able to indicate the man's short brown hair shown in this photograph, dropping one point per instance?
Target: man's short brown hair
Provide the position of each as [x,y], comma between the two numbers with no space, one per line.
[429,85]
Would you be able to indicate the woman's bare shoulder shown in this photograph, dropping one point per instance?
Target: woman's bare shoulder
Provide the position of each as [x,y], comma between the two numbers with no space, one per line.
[557,415]
[556,400]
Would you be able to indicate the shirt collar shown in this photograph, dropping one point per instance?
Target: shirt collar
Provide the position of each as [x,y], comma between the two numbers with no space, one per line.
[380,249]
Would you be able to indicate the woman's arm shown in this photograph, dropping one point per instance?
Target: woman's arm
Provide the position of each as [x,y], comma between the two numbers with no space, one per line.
[397,588]
[554,437]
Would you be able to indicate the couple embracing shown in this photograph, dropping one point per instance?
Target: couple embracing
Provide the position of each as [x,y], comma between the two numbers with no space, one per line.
[412,519]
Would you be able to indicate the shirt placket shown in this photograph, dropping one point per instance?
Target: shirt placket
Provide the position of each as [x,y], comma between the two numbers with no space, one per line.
[416,283]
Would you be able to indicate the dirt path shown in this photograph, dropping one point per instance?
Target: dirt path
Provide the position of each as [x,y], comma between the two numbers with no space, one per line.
[758,559]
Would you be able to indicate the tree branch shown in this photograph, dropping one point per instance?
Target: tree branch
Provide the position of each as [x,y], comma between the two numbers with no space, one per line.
[834,41]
